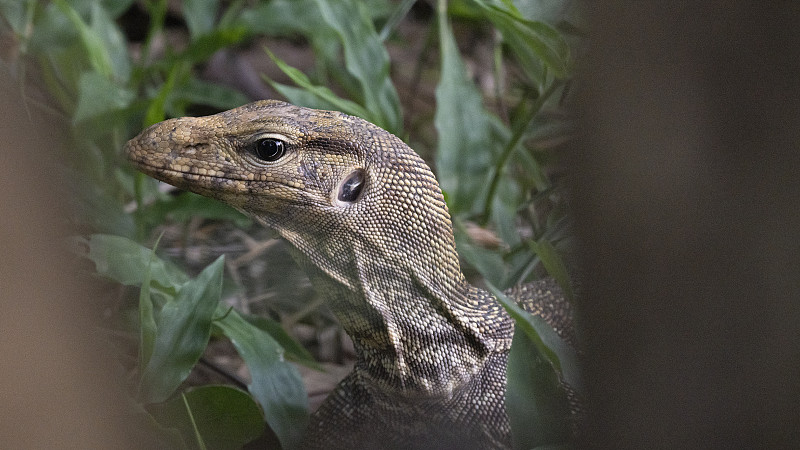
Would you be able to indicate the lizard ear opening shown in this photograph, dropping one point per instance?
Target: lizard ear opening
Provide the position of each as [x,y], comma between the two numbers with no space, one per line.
[350,189]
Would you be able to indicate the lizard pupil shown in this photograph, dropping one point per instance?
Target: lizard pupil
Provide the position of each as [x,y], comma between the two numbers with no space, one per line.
[269,149]
[352,186]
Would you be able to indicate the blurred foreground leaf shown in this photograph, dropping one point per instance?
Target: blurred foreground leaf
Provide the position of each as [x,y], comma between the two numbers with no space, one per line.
[174,339]
[183,328]
[275,384]
[226,418]
[465,139]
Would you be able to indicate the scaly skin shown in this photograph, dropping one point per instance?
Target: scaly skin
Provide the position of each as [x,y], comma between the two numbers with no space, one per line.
[432,349]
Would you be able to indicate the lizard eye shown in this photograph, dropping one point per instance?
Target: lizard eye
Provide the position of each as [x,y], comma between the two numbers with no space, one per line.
[270,149]
[352,186]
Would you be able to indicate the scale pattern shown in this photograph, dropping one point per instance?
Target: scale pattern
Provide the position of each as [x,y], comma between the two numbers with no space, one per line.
[432,349]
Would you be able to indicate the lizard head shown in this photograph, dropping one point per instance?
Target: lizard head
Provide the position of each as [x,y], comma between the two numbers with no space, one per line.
[334,185]
[366,214]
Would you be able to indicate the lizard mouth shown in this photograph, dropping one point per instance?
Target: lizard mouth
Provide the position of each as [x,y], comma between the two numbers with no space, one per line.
[215,184]
[177,177]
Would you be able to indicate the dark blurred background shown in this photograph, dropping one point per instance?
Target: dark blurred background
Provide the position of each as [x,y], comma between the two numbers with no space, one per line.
[688,208]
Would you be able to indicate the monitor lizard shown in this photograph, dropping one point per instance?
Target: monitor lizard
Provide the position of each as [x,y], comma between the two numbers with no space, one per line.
[370,226]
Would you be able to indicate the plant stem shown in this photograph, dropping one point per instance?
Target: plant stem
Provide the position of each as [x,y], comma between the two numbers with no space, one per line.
[512,144]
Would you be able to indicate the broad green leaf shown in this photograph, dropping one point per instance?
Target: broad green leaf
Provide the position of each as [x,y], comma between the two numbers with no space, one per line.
[100,210]
[303,97]
[127,262]
[143,429]
[366,59]
[511,144]
[536,44]
[200,16]
[156,110]
[294,351]
[183,331]
[282,18]
[537,405]
[293,17]
[204,46]
[554,12]
[102,40]
[549,344]
[276,384]
[554,264]
[114,42]
[95,50]
[147,321]
[487,262]
[398,13]
[18,14]
[187,205]
[226,417]
[200,92]
[508,197]
[114,8]
[99,96]
[465,139]
[197,437]
[53,32]
[299,78]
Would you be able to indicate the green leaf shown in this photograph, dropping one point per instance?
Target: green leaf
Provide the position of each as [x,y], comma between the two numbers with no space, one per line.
[187,205]
[366,59]
[200,92]
[325,94]
[537,406]
[114,8]
[100,210]
[465,139]
[99,96]
[147,322]
[183,331]
[563,357]
[488,263]
[114,42]
[225,417]
[204,46]
[282,18]
[276,384]
[552,12]
[200,16]
[536,44]
[95,50]
[511,144]
[537,403]
[156,110]
[294,351]
[144,429]
[305,97]
[554,264]
[103,42]
[18,14]
[508,195]
[198,438]
[127,262]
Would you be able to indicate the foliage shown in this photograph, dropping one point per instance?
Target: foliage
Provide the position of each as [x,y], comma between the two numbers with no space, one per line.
[177,317]
[493,155]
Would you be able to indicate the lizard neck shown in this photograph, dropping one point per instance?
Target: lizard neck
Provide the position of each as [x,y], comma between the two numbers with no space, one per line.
[419,334]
